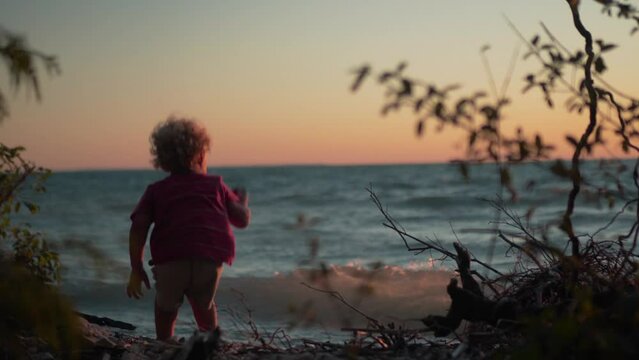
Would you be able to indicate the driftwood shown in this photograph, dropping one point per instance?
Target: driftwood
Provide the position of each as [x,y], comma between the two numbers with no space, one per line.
[105,321]
[468,302]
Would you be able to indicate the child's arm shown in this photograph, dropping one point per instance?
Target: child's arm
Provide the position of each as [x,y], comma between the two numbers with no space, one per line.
[239,212]
[137,240]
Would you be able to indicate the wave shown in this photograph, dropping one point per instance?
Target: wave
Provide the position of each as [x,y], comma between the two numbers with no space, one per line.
[390,292]
[387,293]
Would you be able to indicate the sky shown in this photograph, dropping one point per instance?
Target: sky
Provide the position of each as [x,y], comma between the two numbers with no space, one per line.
[270,79]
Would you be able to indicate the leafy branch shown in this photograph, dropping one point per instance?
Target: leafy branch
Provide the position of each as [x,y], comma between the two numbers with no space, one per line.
[21,62]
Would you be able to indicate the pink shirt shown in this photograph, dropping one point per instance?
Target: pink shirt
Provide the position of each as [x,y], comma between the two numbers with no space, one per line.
[190,216]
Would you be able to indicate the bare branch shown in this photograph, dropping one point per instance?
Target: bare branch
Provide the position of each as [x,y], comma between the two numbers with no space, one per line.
[336,295]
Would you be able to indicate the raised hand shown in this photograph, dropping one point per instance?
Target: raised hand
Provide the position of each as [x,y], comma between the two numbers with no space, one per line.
[242,194]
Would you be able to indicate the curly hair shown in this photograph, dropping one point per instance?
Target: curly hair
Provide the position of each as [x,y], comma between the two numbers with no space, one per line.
[176,144]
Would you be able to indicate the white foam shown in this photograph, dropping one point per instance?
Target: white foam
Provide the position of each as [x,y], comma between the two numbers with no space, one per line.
[387,293]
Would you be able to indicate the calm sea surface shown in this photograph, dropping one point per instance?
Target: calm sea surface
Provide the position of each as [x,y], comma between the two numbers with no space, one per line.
[294,207]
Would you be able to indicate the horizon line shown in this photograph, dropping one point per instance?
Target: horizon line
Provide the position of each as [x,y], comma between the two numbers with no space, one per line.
[327,164]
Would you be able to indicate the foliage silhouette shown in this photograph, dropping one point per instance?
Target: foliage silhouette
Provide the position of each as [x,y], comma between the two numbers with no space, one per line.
[571,292]
[30,305]
[18,175]
[22,64]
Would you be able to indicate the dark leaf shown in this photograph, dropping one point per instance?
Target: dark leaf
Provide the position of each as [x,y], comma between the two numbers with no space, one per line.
[472,137]
[523,150]
[549,101]
[535,40]
[503,102]
[600,65]
[479,94]
[544,87]
[601,92]
[33,208]
[576,59]
[603,47]
[388,107]
[420,128]
[505,177]
[418,104]
[624,10]
[463,169]
[489,112]
[572,140]
[588,148]
[559,169]
[407,88]
[598,135]
[459,107]
[385,76]
[621,168]
[539,143]
[439,111]
[360,75]
[489,129]
[582,85]
[556,56]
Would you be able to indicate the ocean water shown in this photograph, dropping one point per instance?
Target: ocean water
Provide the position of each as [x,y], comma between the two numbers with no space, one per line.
[299,211]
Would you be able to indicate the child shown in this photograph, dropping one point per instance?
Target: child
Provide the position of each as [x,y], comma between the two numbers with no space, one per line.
[192,237]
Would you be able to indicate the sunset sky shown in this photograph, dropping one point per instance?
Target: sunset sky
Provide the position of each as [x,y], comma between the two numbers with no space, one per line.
[270,79]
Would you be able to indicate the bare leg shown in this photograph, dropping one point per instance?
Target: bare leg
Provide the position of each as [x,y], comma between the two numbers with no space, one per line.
[206,278]
[205,316]
[164,323]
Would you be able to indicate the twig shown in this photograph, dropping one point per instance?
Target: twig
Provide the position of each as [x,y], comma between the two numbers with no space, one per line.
[528,236]
[511,71]
[622,121]
[489,72]
[614,218]
[522,249]
[249,326]
[338,296]
[596,76]
[428,244]
[629,253]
